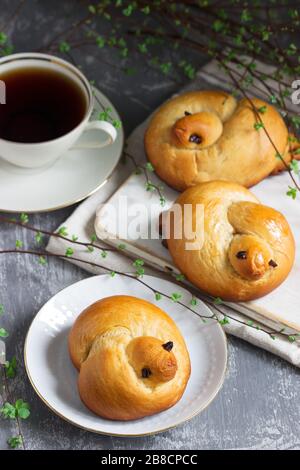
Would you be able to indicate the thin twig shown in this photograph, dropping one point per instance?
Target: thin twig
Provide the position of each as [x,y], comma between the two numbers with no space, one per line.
[10,399]
[54,234]
[270,332]
[13,17]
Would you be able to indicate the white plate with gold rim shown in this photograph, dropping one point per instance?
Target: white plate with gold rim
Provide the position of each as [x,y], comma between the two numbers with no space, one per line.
[54,378]
[74,176]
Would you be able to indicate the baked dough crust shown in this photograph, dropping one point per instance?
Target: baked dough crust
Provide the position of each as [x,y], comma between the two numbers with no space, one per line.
[230,149]
[114,344]
[248,248]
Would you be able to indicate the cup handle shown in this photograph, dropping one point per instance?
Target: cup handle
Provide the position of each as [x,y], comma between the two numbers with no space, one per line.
[106,128]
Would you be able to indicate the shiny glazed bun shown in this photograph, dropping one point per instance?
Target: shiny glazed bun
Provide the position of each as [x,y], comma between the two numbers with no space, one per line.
[131,358]
[248,249]
[207,135]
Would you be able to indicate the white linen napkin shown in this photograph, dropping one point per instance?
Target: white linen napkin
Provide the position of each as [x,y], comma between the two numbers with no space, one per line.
[81,223]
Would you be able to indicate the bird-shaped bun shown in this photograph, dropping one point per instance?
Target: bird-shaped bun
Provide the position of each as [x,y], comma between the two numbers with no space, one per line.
[248,249]
[208,135]
[131,358]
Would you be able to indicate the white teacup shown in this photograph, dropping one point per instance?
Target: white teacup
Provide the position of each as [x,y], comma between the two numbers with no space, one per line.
[36,155]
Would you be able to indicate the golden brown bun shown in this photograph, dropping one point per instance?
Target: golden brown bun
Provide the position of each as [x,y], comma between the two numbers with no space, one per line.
[127,366]
[248,249]
[217,141]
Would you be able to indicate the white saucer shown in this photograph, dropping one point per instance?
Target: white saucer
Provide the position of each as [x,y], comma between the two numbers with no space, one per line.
[55,379]
[72,178]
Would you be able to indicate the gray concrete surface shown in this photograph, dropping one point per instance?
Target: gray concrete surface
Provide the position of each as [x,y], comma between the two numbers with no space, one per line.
[259,404]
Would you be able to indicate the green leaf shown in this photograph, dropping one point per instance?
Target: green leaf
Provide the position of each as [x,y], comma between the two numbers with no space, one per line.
[112,273]
[140,271]
[104,115]
[217,301]
[90,248]
[7,50]
[11,367]
[292,192]
[22,409]
[121,246]
[19,244]
[38,237]
[165,67]
[224,321]
[262,109]
[175,296]
[294,166]
[265,35]
[292,49]
[246,15]
[23,413]
[180,277]
[258,125]
[1,309]
[162,201]
[124,52]
[3,38]
[188,69]
[74,238]
[62,231]
[3,333]
[142,47]
[138,262]
[64,47]
[194,302]
[100,41]
[149,167]
[15,442]
[42,260]
[104,254]
[146,10]
[150,186]
[128,11]
[24,218]
[69,252]
[8,411]
[218,26]
[296,121]
[250,323]
[291,338]
[122,42]
[92,9]
[130,71]
[117,123]
[157,296]
[93,238]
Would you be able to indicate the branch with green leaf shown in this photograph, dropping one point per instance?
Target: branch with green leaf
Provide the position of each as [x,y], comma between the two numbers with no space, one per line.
[139,267]
[15,410]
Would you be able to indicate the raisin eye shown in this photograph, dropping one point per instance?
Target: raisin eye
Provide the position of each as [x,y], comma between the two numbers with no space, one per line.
[196,139]
[146,372]
[241,255]
[273,263]
[168,346]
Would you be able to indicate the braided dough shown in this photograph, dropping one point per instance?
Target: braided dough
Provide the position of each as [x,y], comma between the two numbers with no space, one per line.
[131,358]
[207,135]
[248,248]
